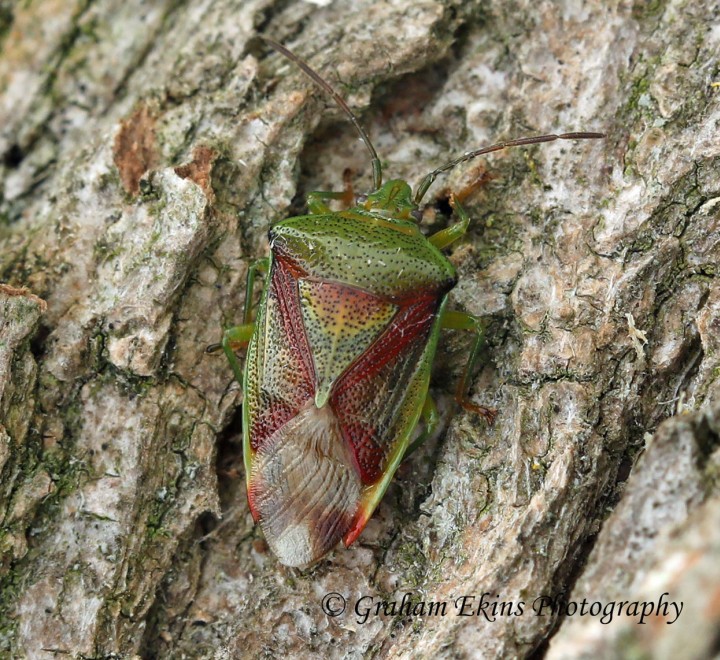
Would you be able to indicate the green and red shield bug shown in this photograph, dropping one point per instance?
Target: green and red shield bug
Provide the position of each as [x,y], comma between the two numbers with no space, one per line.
[338,360]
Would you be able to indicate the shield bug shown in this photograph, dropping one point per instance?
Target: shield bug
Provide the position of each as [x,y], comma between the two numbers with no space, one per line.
[338,362]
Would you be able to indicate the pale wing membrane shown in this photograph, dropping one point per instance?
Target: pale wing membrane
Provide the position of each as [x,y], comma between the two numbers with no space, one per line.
[304,487]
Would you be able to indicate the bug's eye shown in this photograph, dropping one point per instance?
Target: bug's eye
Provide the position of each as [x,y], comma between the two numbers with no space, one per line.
[361,199]
[416,214]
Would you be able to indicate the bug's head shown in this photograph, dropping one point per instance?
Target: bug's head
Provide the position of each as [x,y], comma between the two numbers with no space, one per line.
[393,200]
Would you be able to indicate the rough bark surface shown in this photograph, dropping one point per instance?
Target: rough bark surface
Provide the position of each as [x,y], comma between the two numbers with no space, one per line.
[144,150]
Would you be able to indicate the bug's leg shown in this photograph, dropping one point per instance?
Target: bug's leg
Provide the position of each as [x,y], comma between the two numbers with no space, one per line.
[450,234]
[431,419]
[316,199]
[233,339]
[238,336]
[258,265]
[460,321]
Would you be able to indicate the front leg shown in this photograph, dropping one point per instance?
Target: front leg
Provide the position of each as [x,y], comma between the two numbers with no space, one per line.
[450,234]
[316,199]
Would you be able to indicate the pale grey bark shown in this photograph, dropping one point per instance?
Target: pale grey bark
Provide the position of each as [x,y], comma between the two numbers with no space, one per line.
[144,150]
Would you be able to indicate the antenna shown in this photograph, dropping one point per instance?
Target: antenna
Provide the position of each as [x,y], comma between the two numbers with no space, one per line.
[469,155]
[315,77]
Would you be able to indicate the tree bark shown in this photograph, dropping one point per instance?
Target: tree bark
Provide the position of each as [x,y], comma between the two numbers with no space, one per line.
[145,148]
